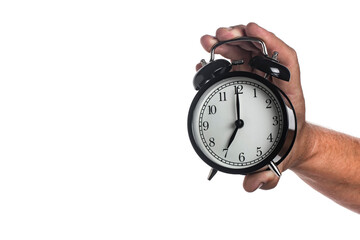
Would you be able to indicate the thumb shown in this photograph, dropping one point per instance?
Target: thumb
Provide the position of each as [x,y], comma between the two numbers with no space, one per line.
[264,180]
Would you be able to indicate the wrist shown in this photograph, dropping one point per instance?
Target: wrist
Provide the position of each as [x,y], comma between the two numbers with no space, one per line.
[304,147]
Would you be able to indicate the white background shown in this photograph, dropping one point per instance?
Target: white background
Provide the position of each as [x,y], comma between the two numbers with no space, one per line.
[93,105]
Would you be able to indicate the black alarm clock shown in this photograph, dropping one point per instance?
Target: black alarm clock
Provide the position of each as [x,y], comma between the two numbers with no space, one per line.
[239,122]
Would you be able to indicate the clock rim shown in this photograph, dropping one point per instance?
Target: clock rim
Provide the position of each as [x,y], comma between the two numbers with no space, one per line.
[277,94]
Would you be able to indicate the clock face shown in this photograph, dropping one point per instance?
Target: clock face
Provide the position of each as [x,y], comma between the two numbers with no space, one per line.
[238,123]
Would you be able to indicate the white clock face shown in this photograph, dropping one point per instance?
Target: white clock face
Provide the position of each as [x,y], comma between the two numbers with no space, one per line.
[237,122]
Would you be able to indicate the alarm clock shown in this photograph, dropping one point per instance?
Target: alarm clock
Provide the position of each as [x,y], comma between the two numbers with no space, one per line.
[240,122]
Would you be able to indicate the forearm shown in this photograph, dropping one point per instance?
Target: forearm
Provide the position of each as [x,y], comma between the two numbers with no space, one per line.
[331,165]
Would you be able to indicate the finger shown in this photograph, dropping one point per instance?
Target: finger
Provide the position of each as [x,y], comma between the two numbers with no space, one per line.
[223,34]
[264,180]
[227,51]
[208,42]
[198,66]
[287,55]
[235,32]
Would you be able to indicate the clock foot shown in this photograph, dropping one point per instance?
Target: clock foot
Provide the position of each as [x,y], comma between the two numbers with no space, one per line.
[274,169]
[212,173]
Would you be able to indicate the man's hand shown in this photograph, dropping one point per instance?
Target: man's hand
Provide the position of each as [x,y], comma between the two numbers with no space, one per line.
[287,56]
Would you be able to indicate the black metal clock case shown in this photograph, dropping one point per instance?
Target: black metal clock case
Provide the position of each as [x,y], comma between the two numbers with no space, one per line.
[220,69]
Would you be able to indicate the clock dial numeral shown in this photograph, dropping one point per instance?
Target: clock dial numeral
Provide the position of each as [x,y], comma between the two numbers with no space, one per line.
[255,93]
[258,152]
[238,89]
[205,125]
[222,96]
[241,157]
[212,109]
[211,142]
[270,138]
[226,151]
[268,101]
[276,120]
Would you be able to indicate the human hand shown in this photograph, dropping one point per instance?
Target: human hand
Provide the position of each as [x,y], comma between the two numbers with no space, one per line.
[288,57]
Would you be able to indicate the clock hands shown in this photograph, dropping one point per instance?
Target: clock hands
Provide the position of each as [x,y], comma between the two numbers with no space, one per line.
[239,123]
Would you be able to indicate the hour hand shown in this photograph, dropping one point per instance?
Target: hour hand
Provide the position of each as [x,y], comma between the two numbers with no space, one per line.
[232,138]
[238,124]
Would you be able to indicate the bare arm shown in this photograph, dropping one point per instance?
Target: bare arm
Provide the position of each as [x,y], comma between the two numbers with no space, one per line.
[332,166]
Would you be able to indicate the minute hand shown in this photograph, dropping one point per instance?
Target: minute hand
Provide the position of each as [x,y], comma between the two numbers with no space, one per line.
[237,104]
[238,123]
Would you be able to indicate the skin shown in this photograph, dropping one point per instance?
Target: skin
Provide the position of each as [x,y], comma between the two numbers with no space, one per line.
[316,152]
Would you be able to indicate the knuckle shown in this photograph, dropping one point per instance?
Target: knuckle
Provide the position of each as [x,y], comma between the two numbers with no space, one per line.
[272,35]
[207,42]
[222,34]
[292,52]
[220,31]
